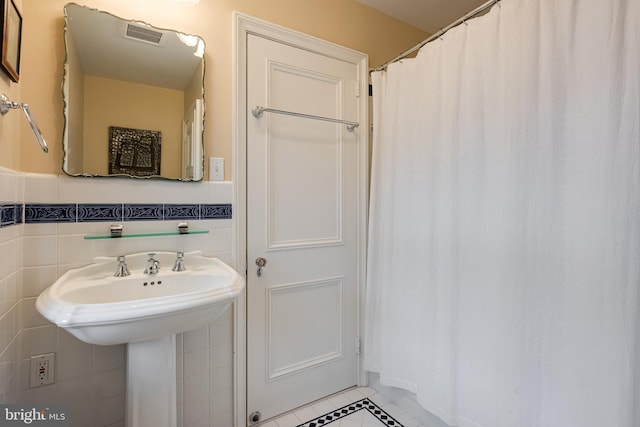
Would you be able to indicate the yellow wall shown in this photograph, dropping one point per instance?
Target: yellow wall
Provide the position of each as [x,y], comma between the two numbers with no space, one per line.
[193,90]
[345,22]
[10,123]
[117,103]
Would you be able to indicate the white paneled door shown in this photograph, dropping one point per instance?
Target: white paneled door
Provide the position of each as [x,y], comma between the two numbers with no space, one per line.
[302,225]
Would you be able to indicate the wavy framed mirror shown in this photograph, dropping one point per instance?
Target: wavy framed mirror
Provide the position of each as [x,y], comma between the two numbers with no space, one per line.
[133,98]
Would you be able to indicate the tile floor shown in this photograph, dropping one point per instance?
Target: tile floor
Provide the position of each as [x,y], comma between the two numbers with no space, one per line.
[374,410]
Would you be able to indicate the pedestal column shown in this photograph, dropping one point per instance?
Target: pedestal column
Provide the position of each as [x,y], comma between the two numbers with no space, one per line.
[151,383]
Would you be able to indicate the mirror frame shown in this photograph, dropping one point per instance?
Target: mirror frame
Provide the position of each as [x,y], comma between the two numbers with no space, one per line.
[65,99]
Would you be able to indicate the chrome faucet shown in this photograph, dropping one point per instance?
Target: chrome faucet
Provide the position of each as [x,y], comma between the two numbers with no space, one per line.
[179,265]
[153,265]
[121,269]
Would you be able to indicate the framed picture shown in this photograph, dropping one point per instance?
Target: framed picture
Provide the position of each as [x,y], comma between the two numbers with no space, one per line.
[11,39]
[134,152]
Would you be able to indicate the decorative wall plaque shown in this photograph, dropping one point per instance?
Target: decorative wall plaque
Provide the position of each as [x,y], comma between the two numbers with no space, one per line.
[134,152]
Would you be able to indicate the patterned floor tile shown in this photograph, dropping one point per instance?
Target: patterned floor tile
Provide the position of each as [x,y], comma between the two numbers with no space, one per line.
[371,413]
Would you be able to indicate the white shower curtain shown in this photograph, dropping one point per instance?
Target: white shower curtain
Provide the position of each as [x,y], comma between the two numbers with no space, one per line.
[503,270]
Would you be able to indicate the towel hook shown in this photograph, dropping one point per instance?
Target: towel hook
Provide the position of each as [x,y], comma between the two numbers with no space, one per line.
[6,104]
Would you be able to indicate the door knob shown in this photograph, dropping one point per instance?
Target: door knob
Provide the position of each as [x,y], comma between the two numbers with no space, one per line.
[260,262]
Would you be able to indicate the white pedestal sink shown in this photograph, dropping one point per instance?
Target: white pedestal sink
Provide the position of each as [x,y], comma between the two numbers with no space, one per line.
[145,312]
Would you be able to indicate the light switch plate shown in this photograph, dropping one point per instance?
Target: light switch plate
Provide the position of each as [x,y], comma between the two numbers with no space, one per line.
[216,169]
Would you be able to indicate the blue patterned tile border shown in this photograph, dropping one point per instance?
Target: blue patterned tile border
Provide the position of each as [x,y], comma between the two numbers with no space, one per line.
[19,213]
[47,213]
[7,215]
[215,211]
[143,212]
[99,212]
[181,212]
[11,214]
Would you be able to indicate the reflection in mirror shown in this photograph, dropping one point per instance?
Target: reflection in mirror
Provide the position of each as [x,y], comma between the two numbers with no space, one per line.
[133,98]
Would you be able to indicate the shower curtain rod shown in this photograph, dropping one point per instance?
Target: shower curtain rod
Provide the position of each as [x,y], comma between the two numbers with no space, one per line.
[465,18]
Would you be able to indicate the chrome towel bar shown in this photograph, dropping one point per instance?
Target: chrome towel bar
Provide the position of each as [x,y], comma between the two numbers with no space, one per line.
[257,113]
[5,105]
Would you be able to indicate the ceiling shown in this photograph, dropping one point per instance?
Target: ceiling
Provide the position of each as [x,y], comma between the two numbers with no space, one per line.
[105,49]
[428,15]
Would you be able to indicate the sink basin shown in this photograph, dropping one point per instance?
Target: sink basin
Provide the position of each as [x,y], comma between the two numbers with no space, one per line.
[101,309]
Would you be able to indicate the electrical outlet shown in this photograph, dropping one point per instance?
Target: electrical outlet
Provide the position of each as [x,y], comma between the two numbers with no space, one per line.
[42,369]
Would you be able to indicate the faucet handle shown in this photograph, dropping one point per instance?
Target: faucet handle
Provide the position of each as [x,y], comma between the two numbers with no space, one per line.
[153,265]
[179,265]
[121,269]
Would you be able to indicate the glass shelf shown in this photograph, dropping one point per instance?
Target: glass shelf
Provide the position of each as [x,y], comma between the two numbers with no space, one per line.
[150,234]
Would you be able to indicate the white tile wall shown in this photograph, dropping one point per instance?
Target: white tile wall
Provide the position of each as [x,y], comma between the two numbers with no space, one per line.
[91,379]
[11,279]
